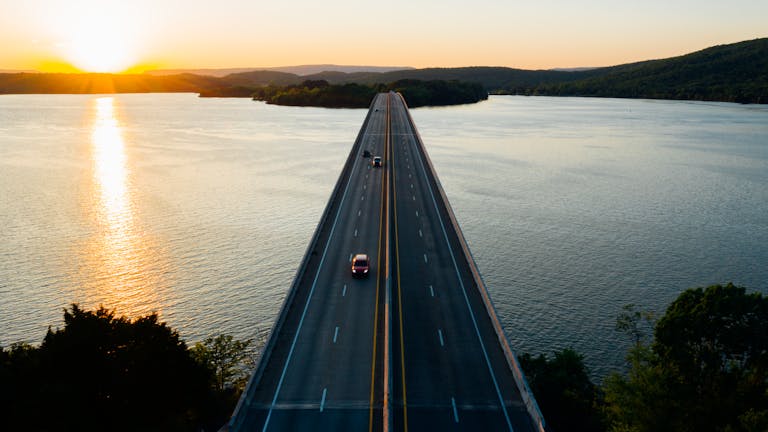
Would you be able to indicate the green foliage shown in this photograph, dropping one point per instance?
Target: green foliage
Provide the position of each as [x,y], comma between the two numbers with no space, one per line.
[437,93]
[707,369]
[101,372]
[568,399]
[639,401]
[317,93]
[227,358]
[634,323]
[714,343]
[351,95]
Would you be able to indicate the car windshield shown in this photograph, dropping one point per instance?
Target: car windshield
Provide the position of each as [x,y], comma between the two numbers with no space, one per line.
[361,262]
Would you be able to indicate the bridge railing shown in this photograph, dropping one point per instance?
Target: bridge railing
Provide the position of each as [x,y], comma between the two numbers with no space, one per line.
[522,384]
[309,254]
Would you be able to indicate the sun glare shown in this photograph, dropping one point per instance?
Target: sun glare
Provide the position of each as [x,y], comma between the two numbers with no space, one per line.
[97,47]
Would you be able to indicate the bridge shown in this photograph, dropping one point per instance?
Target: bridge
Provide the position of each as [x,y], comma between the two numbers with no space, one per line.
[417,344]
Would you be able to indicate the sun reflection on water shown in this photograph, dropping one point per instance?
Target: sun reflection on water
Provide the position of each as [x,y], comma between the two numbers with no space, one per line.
[119,260]
[110,174]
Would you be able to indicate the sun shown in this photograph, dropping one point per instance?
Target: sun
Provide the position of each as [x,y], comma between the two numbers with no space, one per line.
[100,47]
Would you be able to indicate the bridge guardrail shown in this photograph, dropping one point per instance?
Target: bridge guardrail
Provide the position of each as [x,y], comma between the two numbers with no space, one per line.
[522,384]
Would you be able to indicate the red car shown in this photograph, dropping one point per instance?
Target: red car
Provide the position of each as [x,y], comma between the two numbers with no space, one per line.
[360,265]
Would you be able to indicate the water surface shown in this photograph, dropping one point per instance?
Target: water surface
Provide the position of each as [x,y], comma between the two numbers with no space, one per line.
[201,209]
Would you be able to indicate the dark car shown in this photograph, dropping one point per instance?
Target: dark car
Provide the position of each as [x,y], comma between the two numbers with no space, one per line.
[366,154]
[376,161]
[360,265]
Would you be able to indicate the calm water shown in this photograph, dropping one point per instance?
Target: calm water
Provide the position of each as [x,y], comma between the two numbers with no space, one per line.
[200,209]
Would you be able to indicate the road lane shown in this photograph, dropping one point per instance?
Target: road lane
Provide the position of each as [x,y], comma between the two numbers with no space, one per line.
[452,373]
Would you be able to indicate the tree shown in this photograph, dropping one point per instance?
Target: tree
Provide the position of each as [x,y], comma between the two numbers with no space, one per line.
[714,343]
[101,371]
[228,358]
[707,369]
[566,396]
[99,367]
[634,323]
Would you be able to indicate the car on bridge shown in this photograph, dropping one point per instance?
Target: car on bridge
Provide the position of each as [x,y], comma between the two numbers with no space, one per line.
[360,265]
[376,161]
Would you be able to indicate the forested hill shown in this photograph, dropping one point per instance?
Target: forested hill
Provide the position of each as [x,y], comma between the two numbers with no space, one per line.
[492,78]
[728,73]
[71,83]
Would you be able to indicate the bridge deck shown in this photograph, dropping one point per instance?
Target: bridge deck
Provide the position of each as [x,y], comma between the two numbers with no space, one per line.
[416,345]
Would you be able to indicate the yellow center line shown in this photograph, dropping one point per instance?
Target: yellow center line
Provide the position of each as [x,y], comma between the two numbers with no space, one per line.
[387,146]
[399,294]
[376,310]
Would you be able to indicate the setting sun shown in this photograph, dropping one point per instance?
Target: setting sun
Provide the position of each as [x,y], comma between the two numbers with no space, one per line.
[100,47]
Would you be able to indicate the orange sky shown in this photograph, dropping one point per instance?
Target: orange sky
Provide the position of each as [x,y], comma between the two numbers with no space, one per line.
[110,36]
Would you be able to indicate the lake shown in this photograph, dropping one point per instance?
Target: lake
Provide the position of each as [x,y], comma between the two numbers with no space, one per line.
[201,209]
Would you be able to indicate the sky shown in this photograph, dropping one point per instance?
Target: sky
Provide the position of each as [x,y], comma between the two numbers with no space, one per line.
[135,35]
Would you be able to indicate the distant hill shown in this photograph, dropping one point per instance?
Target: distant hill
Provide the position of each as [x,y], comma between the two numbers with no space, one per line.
[731,73]
[68,83]
[492,78]
[300,70]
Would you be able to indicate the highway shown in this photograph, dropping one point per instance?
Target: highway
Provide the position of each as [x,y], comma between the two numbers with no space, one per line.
[322,367]
[414,346]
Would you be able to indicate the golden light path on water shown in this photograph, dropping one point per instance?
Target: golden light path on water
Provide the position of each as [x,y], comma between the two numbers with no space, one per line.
[116,261]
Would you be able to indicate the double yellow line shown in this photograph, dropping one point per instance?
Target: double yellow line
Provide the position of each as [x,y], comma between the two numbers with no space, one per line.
[384,205]
[388,165]
[399,295]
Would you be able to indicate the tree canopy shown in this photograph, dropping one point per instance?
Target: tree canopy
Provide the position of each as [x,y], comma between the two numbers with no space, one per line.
[706,370]
[104,372]
[568,399]
[351,95]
